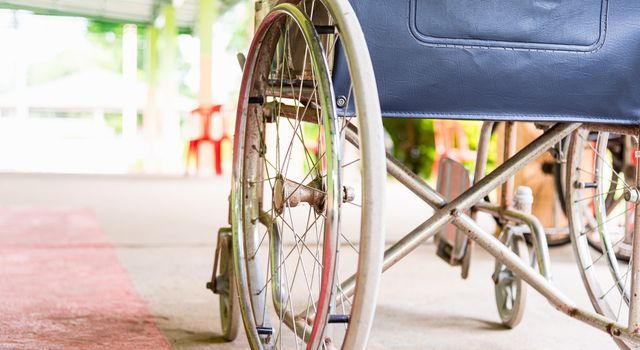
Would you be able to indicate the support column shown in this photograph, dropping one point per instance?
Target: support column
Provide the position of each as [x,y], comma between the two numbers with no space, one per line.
[130,73]
[171,148]
[150,125]
[22,103]
[207,14]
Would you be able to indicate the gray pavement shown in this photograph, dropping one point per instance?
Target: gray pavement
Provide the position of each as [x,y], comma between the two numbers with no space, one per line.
[163,230]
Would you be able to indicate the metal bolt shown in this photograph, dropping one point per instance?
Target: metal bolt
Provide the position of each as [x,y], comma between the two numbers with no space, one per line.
[348,194]
[581,185]
[341,101]
[632,195]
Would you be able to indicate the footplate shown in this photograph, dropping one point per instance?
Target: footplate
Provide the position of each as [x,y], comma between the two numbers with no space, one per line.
[453,180]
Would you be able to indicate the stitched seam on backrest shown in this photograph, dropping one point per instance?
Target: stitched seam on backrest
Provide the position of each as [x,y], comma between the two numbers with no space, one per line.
[435,42]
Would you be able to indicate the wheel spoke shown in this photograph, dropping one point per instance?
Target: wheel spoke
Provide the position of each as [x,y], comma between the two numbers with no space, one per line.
[596,208]
[595,196]
[591,229]
[609,166]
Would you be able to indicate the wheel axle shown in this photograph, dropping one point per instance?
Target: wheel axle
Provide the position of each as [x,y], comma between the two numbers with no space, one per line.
[290,194]
[287,193]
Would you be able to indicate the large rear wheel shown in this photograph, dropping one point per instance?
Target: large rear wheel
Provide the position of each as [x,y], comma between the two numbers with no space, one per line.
[307,206]
[601,203]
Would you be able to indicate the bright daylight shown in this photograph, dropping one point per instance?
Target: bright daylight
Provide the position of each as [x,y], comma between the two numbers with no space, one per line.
[319,174]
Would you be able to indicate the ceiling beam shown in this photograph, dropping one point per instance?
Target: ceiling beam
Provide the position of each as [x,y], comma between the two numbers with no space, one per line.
[155,10]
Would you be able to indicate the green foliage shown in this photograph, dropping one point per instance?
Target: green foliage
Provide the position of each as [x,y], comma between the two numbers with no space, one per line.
[114,121]
[106,37]
[240,38]
[413,143]
[104,51]
[61,65]
[225,5]
[102,27]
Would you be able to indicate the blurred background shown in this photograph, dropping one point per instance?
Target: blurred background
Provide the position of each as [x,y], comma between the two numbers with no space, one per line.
[115,86]
[116,126]
[144,86]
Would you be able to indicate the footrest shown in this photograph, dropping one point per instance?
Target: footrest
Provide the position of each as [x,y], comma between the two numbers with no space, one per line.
[444,250]
[453,180]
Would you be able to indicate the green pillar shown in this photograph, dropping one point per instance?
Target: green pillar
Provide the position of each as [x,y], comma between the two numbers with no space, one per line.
[169,35]
[150,124]
[207,12]
[172,147]
[152,56]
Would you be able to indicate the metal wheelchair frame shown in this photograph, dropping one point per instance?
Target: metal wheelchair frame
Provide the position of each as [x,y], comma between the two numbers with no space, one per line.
[473,200]
[453,212]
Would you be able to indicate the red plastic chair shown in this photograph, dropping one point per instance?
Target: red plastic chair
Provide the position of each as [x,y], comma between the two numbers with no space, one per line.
[206,115]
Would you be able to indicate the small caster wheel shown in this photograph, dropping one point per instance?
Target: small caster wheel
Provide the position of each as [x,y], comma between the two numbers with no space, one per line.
[223,283]
[510,290]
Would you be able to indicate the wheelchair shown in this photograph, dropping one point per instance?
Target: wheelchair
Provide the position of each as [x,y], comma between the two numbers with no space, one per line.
[302,261]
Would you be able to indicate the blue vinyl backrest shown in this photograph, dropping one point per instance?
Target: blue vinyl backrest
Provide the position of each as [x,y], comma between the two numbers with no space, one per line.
[533,60]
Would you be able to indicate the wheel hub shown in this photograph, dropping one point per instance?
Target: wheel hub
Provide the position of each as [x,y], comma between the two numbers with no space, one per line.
[290,194]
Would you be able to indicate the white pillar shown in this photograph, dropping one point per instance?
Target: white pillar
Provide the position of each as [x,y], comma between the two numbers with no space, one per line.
[130,73]
[22,105]
[172,147]
[98,117]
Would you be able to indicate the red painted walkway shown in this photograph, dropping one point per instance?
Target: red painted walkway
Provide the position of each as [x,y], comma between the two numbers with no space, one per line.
[62,287]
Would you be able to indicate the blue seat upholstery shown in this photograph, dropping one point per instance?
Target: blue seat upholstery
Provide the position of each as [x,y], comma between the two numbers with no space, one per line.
[533,60]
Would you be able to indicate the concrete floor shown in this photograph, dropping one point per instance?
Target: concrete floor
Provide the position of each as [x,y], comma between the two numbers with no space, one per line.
[163,230]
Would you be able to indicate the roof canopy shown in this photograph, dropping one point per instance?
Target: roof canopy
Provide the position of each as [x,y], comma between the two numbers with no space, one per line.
[119,11]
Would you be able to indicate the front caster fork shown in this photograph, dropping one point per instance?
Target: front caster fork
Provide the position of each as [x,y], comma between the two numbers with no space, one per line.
[510,290]
[223,284]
